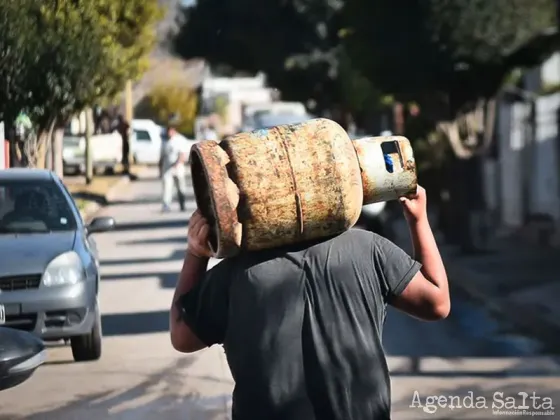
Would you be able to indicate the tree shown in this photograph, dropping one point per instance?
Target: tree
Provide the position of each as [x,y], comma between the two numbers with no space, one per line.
[73,52]
[293,43]
[15,49]
[173,99]
[451,57]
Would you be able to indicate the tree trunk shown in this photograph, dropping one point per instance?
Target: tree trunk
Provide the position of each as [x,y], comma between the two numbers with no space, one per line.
[49,155]
[89,151]
[57,146]
[470,137]
[38,158]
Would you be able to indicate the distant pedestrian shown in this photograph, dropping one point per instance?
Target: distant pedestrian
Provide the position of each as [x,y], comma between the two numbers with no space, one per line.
[123,128]
[172,168]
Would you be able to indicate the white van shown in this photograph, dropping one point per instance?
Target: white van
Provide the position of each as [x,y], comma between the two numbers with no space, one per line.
[146,142]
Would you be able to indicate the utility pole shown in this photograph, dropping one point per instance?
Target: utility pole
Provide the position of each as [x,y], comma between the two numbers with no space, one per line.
[129,115]
[398,119]
[89,151]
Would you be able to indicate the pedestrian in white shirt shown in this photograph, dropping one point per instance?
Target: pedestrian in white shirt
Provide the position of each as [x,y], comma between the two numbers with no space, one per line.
[209,133]
[174,155]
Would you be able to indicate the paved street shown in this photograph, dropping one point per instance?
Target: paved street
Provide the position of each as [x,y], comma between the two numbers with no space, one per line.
[141,377]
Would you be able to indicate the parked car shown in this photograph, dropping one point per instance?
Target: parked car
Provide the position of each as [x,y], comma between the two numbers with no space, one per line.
[106,152]
[253,111]
[21,353]
[146,142]
[49,265]
[272,119]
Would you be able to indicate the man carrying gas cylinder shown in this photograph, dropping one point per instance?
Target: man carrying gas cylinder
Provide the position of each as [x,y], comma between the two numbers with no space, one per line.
[301,325]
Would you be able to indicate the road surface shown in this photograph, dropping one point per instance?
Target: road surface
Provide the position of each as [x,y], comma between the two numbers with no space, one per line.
[141,377]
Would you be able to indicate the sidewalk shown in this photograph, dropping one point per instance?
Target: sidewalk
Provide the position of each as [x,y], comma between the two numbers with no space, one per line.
[518,282]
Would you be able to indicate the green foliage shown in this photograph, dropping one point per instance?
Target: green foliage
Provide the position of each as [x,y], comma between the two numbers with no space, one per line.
[17,48]
[221,107]
[129,29]
[453,51]
[171,99]
[444,55]
[294,43]
[59,56]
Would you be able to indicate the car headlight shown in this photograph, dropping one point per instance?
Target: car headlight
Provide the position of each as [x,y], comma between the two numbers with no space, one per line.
[66,269]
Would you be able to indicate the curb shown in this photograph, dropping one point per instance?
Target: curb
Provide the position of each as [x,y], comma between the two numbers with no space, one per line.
[92,208]
[526,317]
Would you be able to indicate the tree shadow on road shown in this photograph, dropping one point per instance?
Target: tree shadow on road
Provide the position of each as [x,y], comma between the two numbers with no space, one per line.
[467,344]
[157,397]
[168,280]
[135,323]
[178,239]
[153,225]
[177,255]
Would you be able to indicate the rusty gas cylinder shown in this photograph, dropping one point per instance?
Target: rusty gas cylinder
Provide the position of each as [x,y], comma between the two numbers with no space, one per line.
[288,184]
[387,166]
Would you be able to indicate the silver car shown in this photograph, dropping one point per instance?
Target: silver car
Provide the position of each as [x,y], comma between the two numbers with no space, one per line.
[49,267]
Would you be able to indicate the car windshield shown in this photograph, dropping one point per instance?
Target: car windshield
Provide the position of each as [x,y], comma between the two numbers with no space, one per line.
[34,207]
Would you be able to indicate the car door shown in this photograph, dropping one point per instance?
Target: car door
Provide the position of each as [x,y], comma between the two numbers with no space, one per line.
[143,145]
[155,145]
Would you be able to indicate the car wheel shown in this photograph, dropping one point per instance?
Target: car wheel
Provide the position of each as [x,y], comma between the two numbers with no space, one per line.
[86,348]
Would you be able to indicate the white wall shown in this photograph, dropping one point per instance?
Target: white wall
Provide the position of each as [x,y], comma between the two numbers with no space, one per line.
[2,138]
[519,157]
[544,181]
[550,70]
[511,126]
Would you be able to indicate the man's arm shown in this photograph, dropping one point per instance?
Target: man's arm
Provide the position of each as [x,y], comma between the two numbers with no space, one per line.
[199,310]
[421,293]
[183,339]
[427,295]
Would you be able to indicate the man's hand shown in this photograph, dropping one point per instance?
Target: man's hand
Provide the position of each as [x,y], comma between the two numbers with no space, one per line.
[415,206]
[198,236]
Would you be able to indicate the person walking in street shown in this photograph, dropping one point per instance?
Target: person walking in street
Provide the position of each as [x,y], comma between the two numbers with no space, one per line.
[123,128]
[301,325]
[173,169]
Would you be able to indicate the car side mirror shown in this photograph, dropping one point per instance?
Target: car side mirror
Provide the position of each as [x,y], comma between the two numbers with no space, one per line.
[21,353]
[101,224]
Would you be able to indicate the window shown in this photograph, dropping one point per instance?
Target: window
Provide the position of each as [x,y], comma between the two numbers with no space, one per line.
[34,207]
[142,135]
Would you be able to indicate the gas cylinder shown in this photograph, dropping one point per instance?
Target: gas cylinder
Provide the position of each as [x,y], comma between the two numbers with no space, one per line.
[294,183]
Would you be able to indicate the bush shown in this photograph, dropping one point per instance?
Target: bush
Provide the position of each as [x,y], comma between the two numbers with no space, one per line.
[167,100]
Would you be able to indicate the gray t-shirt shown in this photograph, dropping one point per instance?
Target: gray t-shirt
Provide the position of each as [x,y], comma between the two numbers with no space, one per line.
[301,326]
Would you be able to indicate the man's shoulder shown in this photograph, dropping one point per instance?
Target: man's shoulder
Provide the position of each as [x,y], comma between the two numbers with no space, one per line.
[357,235]
[354,242]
